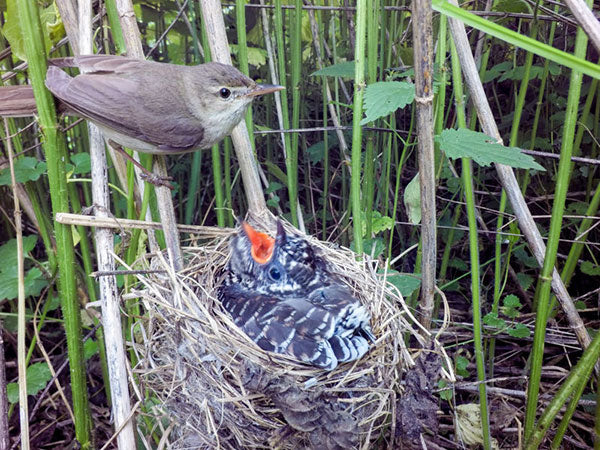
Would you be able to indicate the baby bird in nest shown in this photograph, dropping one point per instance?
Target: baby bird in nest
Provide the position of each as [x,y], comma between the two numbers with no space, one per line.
[280,293]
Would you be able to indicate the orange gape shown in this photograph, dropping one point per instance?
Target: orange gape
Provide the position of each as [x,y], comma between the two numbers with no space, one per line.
[262,244]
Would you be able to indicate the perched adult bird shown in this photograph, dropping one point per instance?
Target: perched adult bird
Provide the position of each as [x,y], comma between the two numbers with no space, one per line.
[280,293]
[147,106]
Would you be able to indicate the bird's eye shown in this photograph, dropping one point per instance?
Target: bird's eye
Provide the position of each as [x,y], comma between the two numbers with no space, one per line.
[224,93]
[274,274]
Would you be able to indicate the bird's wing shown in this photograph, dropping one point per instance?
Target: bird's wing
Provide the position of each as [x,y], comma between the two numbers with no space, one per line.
[291,326]
[115,101]
[350,315]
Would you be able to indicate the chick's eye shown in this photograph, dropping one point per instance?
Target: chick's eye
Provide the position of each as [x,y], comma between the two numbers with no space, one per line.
[224,93]
[274,274]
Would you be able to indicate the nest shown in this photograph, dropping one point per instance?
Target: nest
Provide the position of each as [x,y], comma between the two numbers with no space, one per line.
[220,390]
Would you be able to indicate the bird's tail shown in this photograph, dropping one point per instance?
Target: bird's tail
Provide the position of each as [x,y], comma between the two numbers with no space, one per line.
[17,101]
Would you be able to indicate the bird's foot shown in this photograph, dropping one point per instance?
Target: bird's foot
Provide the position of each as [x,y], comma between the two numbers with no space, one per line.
[157,180]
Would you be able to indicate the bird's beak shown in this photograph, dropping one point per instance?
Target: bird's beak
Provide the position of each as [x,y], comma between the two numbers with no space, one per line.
[262,89]
[262,244]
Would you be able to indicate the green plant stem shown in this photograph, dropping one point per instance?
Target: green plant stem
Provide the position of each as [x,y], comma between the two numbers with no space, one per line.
[574,62]
[579,375]
[54,148]
[290,167]
[218,181]
[292,151]
[562,185]
[369,175]
[357,112]
[467,182]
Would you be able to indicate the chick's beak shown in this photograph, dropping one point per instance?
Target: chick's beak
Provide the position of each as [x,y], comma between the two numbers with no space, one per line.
[262,244]
[262,89]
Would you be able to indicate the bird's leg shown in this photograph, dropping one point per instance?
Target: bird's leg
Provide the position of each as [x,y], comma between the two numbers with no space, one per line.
[146,174]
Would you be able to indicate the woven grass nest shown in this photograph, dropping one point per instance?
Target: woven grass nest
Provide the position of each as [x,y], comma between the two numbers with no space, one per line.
[220,390]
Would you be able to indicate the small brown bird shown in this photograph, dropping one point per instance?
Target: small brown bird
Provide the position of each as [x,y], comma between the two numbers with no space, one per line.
[147,106]
[282,295]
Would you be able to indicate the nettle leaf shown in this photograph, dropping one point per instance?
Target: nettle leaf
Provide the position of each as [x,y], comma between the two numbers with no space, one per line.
[524,280]
[372,247]
[38,375]
[51,24]
[445,394]
[82,163]
[26,169]
[512,301]
[589,268]
[412,200]
[8,251]
[273,186]
[34,283]
[381,223]
[385,97]
[406,283]
[461,366]
[492,320]
[494,72]
[519,331]
[484,150]
[90,348]
[343,69]
[513,6]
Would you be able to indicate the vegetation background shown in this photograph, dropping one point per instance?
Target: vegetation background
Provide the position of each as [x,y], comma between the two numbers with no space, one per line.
[541,102]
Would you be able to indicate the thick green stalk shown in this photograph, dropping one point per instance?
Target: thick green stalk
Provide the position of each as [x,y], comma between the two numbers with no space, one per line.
[54,148]
[579,374]
[193,192]
[369,175]
[115,25]
[218,181]
[359,91]
[467,181]
[292,151]
[278,22]
[440,104]
[558,207]
[242,41]
[227,179]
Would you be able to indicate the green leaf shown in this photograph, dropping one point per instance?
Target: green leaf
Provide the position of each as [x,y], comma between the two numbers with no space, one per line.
[316,152]
[445,394]
[53,28]
[273,202]
[524,280]
[590,268]
[458,264]
[8,251]
[512,6]
[34,283]
[372,247]
[484,150]
[38,375]
[381,223]
[524,257]
[406,283]
[26,169]
[492,320]
[512,301]
[273,186]
[343,69]
[90,348]
[461,366]
[81,162]
[519,331]
[385,97]
[412,200]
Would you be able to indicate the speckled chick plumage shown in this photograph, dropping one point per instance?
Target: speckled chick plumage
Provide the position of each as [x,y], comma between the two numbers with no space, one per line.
[290,303]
